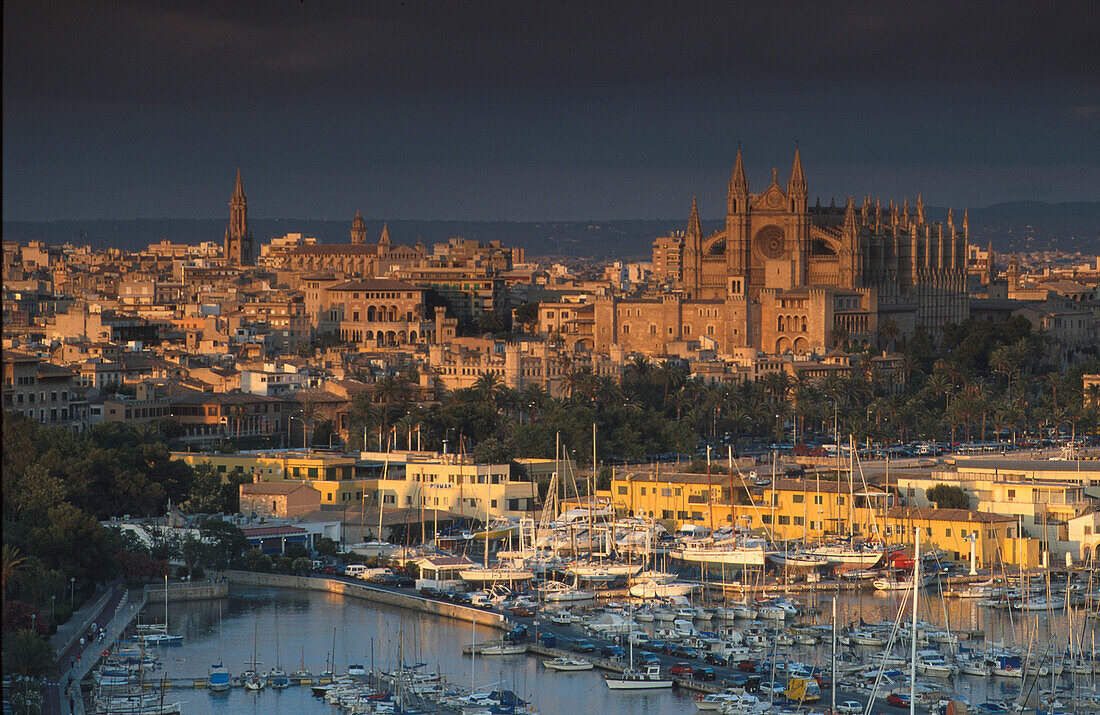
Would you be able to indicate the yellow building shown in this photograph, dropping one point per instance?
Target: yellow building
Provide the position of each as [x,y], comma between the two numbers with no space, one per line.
[453,483]
[786,508]
[340,478]
[995,536]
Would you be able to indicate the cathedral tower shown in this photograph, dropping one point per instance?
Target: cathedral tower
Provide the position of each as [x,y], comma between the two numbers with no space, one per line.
[358,229]
[238,237]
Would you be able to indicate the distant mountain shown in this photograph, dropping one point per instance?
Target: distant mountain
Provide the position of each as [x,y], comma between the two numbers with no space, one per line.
[1015,226]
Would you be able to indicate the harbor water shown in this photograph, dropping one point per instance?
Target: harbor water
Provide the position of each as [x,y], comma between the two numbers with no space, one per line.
[296,629]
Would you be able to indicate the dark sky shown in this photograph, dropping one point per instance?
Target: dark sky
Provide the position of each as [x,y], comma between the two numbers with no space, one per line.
[551,110]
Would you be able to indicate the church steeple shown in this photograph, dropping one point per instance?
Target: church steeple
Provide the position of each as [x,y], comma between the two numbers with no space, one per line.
[358,229]
[695,228]
[738,196]
[384,239]
[238,237]
[796,186]
[920,210]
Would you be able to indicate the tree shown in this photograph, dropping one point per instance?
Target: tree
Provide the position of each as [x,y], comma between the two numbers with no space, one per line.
[947,496]
[225,544]
[309,414]
[29,655]
[527,315]
[207,494]
[14,566]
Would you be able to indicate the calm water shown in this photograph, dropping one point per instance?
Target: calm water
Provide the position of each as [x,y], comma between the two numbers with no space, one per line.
[293,628]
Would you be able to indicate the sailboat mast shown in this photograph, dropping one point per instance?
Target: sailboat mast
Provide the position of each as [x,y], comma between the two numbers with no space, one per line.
[913,649]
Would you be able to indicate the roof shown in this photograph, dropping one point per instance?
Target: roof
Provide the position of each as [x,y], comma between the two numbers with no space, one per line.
[274,488]
[221,398]
[956,515]
[261,532]
[356,249]
[1028,465]
[375,284]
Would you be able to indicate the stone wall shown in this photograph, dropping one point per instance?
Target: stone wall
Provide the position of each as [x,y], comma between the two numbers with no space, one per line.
[368,593]
[183,591]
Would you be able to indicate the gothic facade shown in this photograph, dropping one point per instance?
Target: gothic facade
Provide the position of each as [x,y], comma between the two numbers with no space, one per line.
[782,276]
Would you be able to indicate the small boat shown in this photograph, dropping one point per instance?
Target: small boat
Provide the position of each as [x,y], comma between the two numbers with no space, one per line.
[567,664]
[503,649]
[219,678]
[631,679]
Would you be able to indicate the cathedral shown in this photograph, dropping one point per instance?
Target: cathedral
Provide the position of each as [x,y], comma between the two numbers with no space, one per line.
[785,277]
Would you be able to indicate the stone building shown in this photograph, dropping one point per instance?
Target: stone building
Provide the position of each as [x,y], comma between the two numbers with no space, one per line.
[782,276]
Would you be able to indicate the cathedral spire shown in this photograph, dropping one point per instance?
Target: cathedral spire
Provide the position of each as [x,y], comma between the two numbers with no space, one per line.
[966,225]
[850,216]
[951,221]
[238,192]
[695,228]
[920,210]
[384,240]
[738,196]
[796,186]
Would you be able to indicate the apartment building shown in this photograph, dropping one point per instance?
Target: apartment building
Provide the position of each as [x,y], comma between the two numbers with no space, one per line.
[41,391]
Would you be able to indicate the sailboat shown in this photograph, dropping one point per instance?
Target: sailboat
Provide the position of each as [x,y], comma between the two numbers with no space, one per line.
[252,679]
[279,681]
[631,679]
[218,680]
[162,637]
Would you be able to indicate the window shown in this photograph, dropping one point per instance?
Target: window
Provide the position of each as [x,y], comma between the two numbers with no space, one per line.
[798,521]
[493,503]
[697,515]
[681,515]
[840,501]
[784,520]
[817,499]
[947,532]
[666,514]
[928,530]
[666,492]
[797,498]
[643,491]
[623,490]
[1011,494]
[766,518]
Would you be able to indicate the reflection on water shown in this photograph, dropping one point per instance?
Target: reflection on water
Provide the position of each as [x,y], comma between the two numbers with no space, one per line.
[305,622]
[292,629]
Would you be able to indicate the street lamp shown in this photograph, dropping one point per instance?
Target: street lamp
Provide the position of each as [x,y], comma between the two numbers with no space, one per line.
[72,591]
[289,439]
[53,597]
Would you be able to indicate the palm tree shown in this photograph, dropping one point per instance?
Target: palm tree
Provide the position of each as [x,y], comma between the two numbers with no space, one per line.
[407,425]
[309,413]
[838,335]
[888,331]
[239,414]
[14,567]
[28,654]
[487,385]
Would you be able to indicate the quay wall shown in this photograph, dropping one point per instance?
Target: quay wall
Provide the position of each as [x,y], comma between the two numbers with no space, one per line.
[368,593]
[195,591]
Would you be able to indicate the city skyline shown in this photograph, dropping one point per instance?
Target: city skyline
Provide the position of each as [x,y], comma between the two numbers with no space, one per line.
[535,113]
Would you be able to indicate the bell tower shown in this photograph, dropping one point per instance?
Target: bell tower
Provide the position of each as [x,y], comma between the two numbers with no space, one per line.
[238,237]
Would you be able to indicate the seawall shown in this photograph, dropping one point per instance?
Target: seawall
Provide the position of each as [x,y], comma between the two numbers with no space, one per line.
[194,591]
[368,593]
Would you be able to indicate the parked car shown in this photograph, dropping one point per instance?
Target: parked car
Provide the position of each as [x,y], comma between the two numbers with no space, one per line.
[746,666]
[612,652]
[581,646]
[684,651]
[704,674]
[849,707]
[681,669]
[900,700]
[523,611]
[653,645]
[643,660]
[716,659]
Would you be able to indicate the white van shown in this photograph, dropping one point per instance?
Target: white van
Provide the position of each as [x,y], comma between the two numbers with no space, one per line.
[356,570]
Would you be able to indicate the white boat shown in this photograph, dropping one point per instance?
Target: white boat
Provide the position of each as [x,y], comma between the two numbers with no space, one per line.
[835,554]
[503,649]
[866,638]
[558,592]
[797,559]
[567,664]
[631,679]
[1040,604]
[494,575]
[746,552]
[657,589]
[934,666]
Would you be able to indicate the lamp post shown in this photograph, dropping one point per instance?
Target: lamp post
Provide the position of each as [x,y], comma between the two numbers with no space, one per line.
[289,439]
[72,592]
[53,597]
